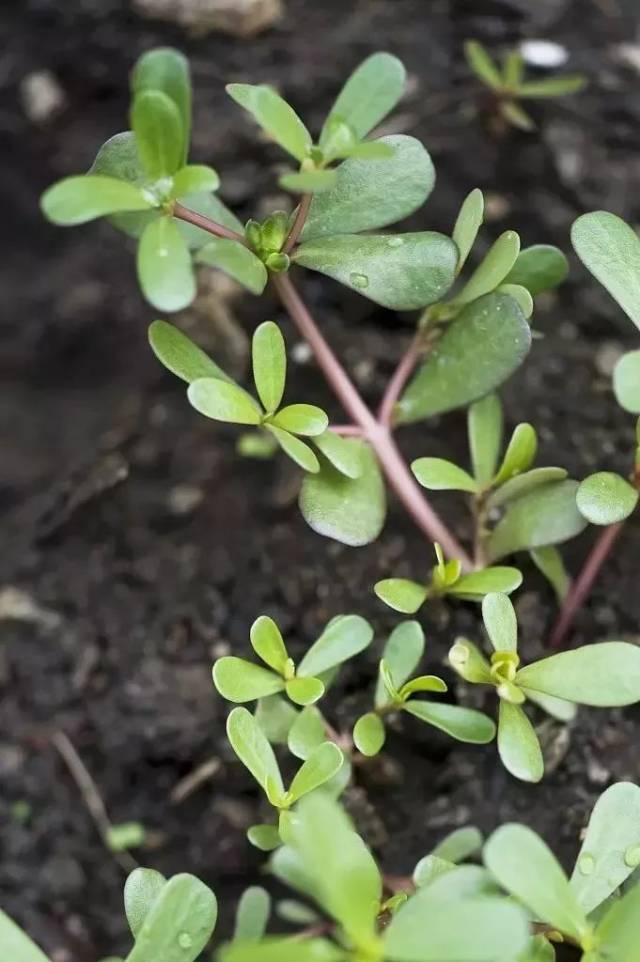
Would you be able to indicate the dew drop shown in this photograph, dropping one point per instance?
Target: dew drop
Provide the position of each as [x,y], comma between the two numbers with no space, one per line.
[632,856]
[359,280]
[395,242]
[184,940]
[163,252]
[586,864]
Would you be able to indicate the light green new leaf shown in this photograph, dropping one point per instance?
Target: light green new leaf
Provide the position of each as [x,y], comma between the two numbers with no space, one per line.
[309,181]
[195,179]
[519,294]
[252,748]
[305,419]
[619,932]
[422,683]
[370,93]
[223,401]
[16,944]
[604,675]
[304,691]
[467,225]
[351,511]
[477,584]
[341,453]
[238,680]
[610,249]
[402,653]
[167,70]
[142,888]
[539,268]
[370,194]
[236,260]
[544,516]
[470,663]
[437,474]
[321,765]
[343,638]
[493,268]
[460,844]
[464,724]
[76,200]
[522,484]
[370,150]
[307,732]
[369,734]
[482,64]
[553,86]
[157,126]
[520,454]
[429,869]
[403,272]
[296,449]
[401,594]
[489,339]
[484,428]
[518,743]
[603,863]
[564,711]
[461,882]
[626,382]
[500,621]
[278,949]
[543,887]
[118,157]
[275,116]
[276,716]
[179,923]
[164,266]
[269,359]
[268,644]
[180,355]
[549,562]
[606,498]
[514,114]
[252,914]
[264,837]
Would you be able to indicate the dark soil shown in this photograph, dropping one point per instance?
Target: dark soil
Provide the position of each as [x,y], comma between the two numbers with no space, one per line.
[130,588]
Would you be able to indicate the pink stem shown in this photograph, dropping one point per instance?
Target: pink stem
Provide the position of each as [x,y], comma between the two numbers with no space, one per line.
[205,223]
[582,586]
[398,380]
[346,430]
[298,223]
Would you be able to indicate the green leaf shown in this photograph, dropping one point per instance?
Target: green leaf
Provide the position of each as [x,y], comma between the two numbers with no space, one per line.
[559,86]
[305,419]
[16,944]
[76,200]
[604,675]
[369,734]
[460,844]
[343,638]
[341,453]
[513,68]
[118,157]
[468,224]
[489,339]
[401,594]
[276,716]
[492,270]
[223,401]
[158,131]
[464,724]
[305,691]
[499,618]
[307,732]
[236,260]
[440,475]
[462,881]
[167,70]
[482,64]
[404,272]
[519,294]
[309,181]
[547,515]
[520,454]
[252,914]
[275,116]
[477,584]
[279,949]
[429,869]
[141,890]
[370,194]
[606,498]
[522,484]
[125,835]
[349,510]
[370,93]
[369,150]
[269,358]
[539,268]
[180,355]
[402,653]
[603,863]
[421,684]
[470,663]
[264,837]
[618,934]
[564,711]
[252,748]
[195,179]
[610,249]
[626,382]
[514,114]
[518,743]
[164,266]
[296,449]
[179,924]
[268,644]
[549,561]
[543,887]
[484,427]
[321,765]
[238,680]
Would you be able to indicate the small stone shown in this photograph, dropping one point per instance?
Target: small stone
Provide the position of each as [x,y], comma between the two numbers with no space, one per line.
[544,53]
[19,605]
[301,353]
[42,96]
[607,356]
[629,55]
[239,18]
[496,206]
[184,499]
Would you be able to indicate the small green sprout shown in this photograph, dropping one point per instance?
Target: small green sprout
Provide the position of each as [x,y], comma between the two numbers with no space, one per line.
[508,84]
[602,675]
[126,835]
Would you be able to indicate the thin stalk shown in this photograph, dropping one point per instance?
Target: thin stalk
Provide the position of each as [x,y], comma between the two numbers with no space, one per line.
[398,380]
[205,223]
[298,223]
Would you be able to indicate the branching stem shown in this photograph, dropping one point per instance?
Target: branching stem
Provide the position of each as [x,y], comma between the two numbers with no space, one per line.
[298,223]
[205,223]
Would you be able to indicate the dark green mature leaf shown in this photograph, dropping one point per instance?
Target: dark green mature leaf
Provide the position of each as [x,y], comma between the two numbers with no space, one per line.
[559,86]
[180,355]
[349,510]
[539,268]
[157,126]
[252,914]
[464,724]
[370,93]
[167,70]
[492,270]
[522,484]
[274,115]
[619,932]
[401,594]
[76,200]
[223,401]
[603,675]
[626,382]
[610,249]
[341,453]
[370,194]
[238,680]
[402,654]
[164,266]
[179,923]
[437,474]
[269,359]
[468,224]
[401,271]
[484,427]
[605,498]
[118,157]
[343,638]
[369,734]
[297,450]
[482,65]
[547,515]
[236,260]
[474,586]
[16,944]
[489,339]
[142,888]
[310,181]
[518,743]
[252,748]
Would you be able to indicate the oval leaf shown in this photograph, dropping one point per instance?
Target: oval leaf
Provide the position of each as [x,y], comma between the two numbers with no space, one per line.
[321,765]
[252,914]
[606,498]
[307,732]
[142,888]
[167,70]
[274,115]
[468,224]
[522,484]
[269,358]
[610,249]
[341,453]
[157,126]
[304,691]
[518,743]
[520,453]
[372,90]
[179,923]
[309,181]
[343,638]
[76,200]
[604,675]
[626,382]
[223,401]
[500,621]
[369,734]
[252,748]
[547,515]
[16,944]
[268,644]
[463,724]
[236,260]
[296,449]
[401,594]
[493,268]
[180,355]
[436,474]
[484,427]
[164,266]
[238,680]
[474,586]
[305,419]
[402,653]
[539,268]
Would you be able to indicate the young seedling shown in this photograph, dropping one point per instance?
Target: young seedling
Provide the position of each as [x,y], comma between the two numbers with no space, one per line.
[507,86]
[601,675]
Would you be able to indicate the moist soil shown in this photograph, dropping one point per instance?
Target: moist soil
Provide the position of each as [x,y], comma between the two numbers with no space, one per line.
[137,546]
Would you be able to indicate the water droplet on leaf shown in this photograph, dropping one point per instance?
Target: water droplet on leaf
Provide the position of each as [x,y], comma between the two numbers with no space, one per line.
[632,856]
[184,940]
[359,280]
[395,242]
[586,864]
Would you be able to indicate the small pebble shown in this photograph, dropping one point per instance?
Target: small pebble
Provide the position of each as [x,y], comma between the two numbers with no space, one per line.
[544,53]
[42,96]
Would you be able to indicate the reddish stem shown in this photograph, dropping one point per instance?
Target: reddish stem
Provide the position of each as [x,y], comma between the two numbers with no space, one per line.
[398,380]
[346,430]
[582,586]
[205,223]
[298,223]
